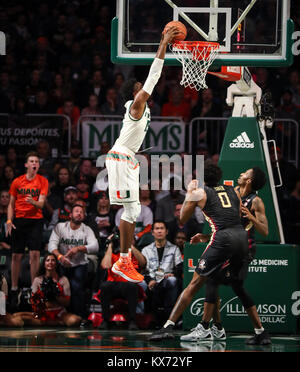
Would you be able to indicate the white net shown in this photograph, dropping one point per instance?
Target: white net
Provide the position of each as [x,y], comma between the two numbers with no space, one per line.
[196,58]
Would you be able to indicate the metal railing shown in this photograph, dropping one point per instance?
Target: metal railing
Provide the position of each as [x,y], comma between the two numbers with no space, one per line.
[207,130]
[211,131]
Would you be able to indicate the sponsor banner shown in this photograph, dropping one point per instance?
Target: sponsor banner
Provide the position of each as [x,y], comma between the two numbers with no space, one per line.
[273,282]
[24,134]
[242,142]
[161,136]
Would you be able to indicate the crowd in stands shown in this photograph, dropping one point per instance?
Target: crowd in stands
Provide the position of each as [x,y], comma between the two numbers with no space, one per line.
[58,61]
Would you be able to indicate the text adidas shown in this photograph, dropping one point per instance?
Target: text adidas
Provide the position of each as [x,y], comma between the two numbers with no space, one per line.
[242,145]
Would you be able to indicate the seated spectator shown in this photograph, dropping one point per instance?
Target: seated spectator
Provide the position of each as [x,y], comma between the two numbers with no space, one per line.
[46,161]
[6,319]
[117,287]
[180,240]
[60,91]
[63,178]
[83,191]
[93,107]
[288,109]
[8,176]
[190,228]
[42,104]
[74,161]
[95,86]
[165,209]
[143,225]
[73,112]
[147,198]
[112,105]
[63,214]
[5,241]
[33,86]
[163,272]
[119,80]
[103,220]
[155,109]
[14,161]
[71,242]
[176,106]
[50,297]
[84,172]
[207,107]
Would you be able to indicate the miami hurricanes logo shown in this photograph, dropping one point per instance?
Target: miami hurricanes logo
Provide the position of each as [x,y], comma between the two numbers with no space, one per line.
[191,267]
[127,196]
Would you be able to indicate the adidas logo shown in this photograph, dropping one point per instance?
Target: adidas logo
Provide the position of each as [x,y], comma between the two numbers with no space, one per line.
[242,142]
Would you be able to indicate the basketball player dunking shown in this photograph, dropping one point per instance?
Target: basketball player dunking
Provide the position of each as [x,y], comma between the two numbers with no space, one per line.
[121,164]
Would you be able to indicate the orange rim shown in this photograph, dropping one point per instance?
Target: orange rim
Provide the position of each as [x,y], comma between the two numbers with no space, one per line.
[197,47]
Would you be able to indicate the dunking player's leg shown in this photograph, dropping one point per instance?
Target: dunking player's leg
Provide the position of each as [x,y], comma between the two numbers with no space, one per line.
[126,235]
[124,266]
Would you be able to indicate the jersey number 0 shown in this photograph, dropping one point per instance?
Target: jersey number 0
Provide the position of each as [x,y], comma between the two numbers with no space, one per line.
[224,199]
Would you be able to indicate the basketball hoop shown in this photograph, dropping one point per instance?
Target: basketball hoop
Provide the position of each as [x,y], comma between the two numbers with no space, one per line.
[196,58]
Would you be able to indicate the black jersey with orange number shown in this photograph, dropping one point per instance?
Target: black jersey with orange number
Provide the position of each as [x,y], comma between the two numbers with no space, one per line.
[222,208]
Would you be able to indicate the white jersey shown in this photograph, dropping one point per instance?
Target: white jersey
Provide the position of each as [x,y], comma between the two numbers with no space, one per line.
[133,130]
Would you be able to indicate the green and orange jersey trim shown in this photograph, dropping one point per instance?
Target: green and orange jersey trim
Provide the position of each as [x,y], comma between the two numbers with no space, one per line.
[119,156]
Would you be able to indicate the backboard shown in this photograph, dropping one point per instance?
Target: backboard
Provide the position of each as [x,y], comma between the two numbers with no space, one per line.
[250,32]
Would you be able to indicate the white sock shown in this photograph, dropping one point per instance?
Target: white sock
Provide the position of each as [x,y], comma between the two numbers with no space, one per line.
[123,255]
[168,322]
[258,331]
[14,288]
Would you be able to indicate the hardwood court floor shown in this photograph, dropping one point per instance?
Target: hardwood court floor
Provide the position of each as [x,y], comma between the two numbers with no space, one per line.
[91,340]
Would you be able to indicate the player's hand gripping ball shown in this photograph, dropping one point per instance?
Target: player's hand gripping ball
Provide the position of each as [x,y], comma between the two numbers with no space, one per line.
[181,28]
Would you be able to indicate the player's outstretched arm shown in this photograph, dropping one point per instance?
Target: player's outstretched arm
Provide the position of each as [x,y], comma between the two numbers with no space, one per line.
[195,196]
[142,96]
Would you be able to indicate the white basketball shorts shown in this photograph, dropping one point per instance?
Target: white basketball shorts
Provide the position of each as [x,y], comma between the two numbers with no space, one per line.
[123,175]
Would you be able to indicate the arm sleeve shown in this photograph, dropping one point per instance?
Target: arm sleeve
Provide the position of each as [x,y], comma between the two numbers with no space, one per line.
[92,246]
[154,75]
[54,239]
[54,220]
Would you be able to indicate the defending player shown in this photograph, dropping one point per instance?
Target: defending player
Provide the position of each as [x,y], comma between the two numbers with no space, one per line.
[221,208]
[253,218]
[121,164]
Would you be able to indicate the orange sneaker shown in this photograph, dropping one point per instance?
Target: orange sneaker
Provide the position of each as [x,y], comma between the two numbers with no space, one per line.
[125,269]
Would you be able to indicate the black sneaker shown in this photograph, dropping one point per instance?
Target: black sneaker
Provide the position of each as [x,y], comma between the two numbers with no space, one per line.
[163,334]
[261,339]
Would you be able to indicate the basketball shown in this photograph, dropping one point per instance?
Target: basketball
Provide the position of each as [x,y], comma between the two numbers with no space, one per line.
[181,27]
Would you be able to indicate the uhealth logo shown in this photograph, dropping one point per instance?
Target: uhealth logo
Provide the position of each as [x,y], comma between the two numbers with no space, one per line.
[242,142]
